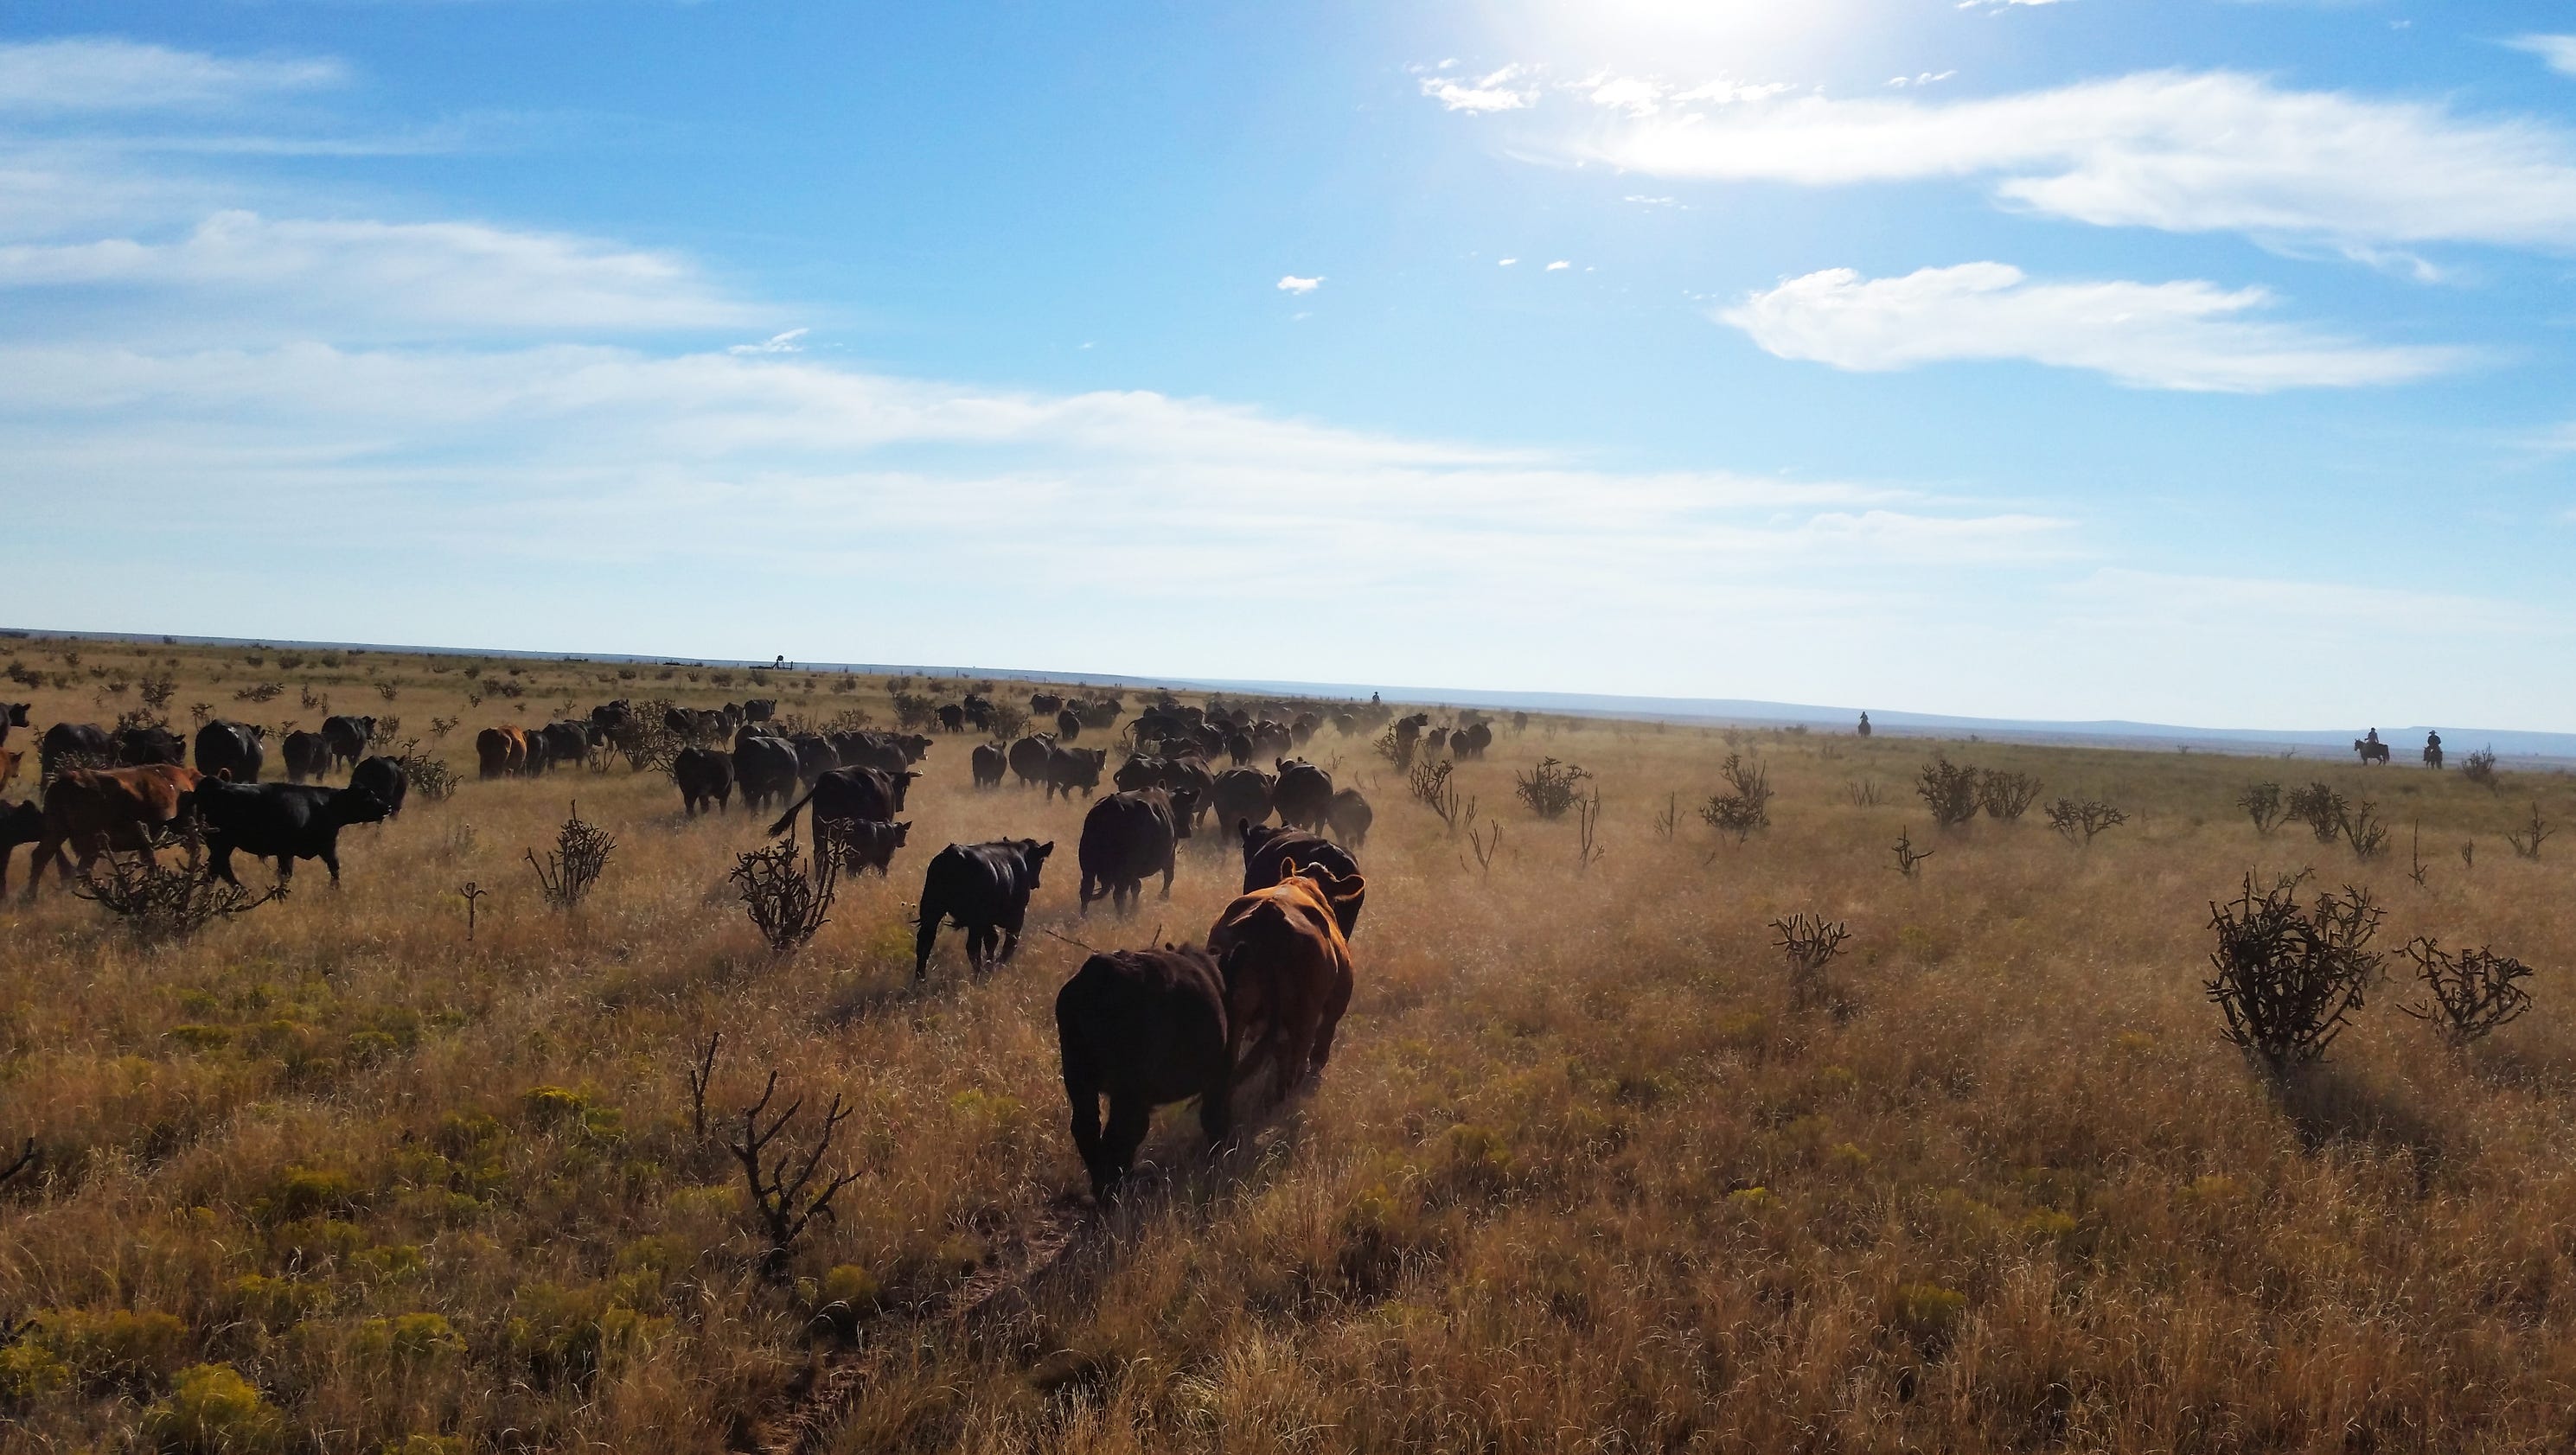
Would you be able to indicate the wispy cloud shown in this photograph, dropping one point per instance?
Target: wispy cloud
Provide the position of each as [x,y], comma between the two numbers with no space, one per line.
[1559,266]
[2172,150]
[1294,284]
[2183,335]
[106,75]
[1502,90]
[2559,51]
[780,343]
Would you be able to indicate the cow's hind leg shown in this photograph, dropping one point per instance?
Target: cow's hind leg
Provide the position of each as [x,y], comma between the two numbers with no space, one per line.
[923,943]
[1336,1001]
[1130,1117]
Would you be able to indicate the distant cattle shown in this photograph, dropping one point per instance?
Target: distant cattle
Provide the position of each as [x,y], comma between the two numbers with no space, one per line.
[498,751]
[1269,852]
[1143,1028]
[869,844]
[989,765]
[348,736]
[696,725]
[9,760]
[1242,794]
[1350,817]
[845,796]
[1125,838]
[952,717]
[1471,741]
[1139,771]
[760,709]
[814,756]
[140,745]
[765,770]
[984,890]
[12,715]
[1068,725]
[236,748]
[1304,794]
[891,752]
[93,810]
[281,821]
[1028,758]
[1238,748]
[68,745]
[566,742]
[1345,724]
[1287,972]
[1069,769]
[612,718]
[20,823]
[1042,703]
[704,775]
[383,777]
[308,757]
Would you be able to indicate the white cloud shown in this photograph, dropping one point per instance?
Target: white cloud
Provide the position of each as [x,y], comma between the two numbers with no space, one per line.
[2559,51]
[2171,150]
[1924,79]
[1493,92]
[357,278]
[781,343]
[1559,266]
[105,74]
[2184,335]
[1294,284]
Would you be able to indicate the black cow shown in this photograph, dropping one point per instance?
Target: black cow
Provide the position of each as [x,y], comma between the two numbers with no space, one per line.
[383,777]
[1028,757]
[348,737]
[869,844]
[306,754]
[703,774]
[1043,703]
[1144,1028]
[236,748]
[1071,768]
[12,715]
[1267,853]
[1126,837]
[142,745]
[21,823]
[846,796]
[1351,817]
[1238,747]
[540,755]
[612,719]
[765,769]
[1189,775]
[1303,797]
[1242,795]
[73,745]
[952,717]
[1140,771]
[281,821]
[989,765]
[566,742]
[814,757]
[760,709]
[984,890]
[1068,725]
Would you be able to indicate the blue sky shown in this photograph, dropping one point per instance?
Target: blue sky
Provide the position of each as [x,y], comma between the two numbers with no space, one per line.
[2200,362]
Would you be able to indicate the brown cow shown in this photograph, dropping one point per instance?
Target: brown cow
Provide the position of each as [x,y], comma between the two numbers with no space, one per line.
[97,809]
[1287,972]
[9,765]
[501,751]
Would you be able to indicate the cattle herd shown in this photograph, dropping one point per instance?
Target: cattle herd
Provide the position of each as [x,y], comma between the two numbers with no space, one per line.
[1137,1028]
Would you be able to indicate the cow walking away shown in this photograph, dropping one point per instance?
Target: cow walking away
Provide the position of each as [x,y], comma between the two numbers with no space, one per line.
[845,796]
[68,745]
[1125,838]
[499,752]
[1350,816]
[1142,1028]
[1028,757]
[348,736]
[308,757]
[1287,972]
[765,770]
[1304,795]
[705,776]
[1270,854]
[1069,769]
[238,750]
[989,765]
[982,889]
[20,823]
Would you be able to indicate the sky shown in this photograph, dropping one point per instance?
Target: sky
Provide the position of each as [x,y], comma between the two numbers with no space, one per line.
[2196,361]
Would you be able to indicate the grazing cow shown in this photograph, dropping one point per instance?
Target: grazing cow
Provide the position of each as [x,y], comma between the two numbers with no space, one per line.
[281,821]
[307,756]
[9,760]
[1072,768]
[498,752]
[1287,972]
[383,777]
[1270,853]
[814,757]
[760,709]
[1126,837]
[1144,1028]
[869,844]
[845,796]
[1350,817]
[703,774]
[142,745]
[1068,725]
[1028,757]
[68,745]
[348,736]
[20,823]
[236,748]
[1042,703]
[1304,795]
[988,763]
[764,769]
[952,717]
[984,890]
[97,809]
[1242,795]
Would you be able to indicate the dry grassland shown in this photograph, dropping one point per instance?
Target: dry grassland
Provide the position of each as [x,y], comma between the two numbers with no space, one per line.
[333,1177]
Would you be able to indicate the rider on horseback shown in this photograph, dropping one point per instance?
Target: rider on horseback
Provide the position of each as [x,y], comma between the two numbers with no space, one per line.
[2372,738]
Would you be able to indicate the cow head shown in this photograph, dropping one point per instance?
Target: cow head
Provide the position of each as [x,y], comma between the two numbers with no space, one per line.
[357,805]
[1185,811]
[1099,757]
[1343,894]
[13,714]
[1034,854]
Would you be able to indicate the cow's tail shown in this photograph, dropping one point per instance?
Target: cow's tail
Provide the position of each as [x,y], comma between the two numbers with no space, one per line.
[787,820]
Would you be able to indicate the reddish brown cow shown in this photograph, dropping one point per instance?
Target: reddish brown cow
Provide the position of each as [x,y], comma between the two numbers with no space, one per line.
[501,751]
[1287,972]
[97,809]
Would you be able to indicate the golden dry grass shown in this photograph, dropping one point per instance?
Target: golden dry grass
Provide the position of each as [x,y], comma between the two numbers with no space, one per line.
[1578,1177]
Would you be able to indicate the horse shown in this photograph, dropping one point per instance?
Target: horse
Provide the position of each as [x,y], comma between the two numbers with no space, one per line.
[2370,752]
[2433,756]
